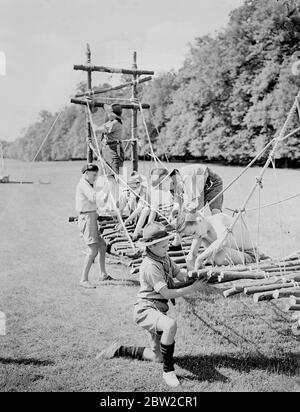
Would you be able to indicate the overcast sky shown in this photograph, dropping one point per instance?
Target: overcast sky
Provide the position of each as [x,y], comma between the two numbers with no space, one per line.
[42,39]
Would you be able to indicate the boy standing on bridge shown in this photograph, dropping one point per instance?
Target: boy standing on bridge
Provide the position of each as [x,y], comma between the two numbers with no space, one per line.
[157,275]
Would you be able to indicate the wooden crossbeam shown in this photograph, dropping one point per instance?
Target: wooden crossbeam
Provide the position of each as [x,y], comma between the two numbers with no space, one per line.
[110,89]
[91,68]
[102,103]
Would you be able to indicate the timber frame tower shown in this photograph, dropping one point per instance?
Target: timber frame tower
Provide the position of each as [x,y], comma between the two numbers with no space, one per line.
[90,93]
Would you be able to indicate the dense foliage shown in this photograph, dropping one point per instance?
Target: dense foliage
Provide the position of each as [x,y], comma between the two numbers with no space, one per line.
[230,97]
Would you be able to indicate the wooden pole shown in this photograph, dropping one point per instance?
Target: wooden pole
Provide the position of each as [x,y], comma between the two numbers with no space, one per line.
[110,89]
[89,156]
[134,118]
[90,68]
[103,102]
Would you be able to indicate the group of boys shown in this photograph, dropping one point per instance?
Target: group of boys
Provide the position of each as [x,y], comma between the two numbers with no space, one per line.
[161,280]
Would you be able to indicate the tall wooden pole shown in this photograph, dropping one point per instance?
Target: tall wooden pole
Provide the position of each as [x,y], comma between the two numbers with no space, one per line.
[89,155]
[134,119]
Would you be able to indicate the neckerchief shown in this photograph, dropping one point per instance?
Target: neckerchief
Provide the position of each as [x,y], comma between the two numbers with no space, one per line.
[166,263]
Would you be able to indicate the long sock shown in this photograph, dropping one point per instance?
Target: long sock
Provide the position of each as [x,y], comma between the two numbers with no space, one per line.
[135,352]
[167,352]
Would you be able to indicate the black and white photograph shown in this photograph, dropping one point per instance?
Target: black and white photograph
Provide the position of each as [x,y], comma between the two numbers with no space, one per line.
[149,199]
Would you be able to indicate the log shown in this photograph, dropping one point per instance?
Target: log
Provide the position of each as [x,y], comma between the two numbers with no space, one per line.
[242,286]
[285,293]
[296,329]
[103,69]
[178,253]
[110,89]
[229,276]
[262,282]
[293,308]
[258,297]
[283,269]
[198,273]
[294,301]
[101,104]
[230,292]
[266,288]
[118,239]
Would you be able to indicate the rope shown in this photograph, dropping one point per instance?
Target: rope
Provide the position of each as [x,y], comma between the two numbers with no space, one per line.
[267,205]
[245,223]
[42,144]
[147,133]
[279,216]
[275,139]
[158,133]
[258,221]
[280,138]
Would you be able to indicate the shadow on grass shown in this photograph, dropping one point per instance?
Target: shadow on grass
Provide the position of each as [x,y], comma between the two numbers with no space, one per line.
[203,367]
[120,282]
[26,361]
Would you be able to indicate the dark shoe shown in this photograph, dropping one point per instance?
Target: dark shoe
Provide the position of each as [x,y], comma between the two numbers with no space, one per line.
[105,278]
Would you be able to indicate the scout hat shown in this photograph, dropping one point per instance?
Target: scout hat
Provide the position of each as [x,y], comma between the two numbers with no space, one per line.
[154,233]
[90,167]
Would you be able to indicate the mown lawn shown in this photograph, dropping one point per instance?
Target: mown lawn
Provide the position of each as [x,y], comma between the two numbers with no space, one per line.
[55,328]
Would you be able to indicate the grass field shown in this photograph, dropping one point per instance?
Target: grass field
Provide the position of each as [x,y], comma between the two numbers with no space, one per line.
[55,328]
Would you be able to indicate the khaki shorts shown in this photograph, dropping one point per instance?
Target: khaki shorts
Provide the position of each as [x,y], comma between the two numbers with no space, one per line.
[88,227]
[146,314]
[113,154]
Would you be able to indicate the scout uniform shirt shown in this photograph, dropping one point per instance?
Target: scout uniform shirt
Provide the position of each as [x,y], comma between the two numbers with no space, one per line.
[87,198]
[193,179]
[153,278]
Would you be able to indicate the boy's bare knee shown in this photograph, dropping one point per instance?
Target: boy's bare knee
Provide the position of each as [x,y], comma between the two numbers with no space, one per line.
[92,253]
[172,326]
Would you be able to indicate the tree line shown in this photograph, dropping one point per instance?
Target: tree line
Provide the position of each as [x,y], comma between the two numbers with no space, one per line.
[229,98]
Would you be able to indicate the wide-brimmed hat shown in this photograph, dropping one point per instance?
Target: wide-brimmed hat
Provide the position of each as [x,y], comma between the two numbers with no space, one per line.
[90,167]
[115,109]
[154,233]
